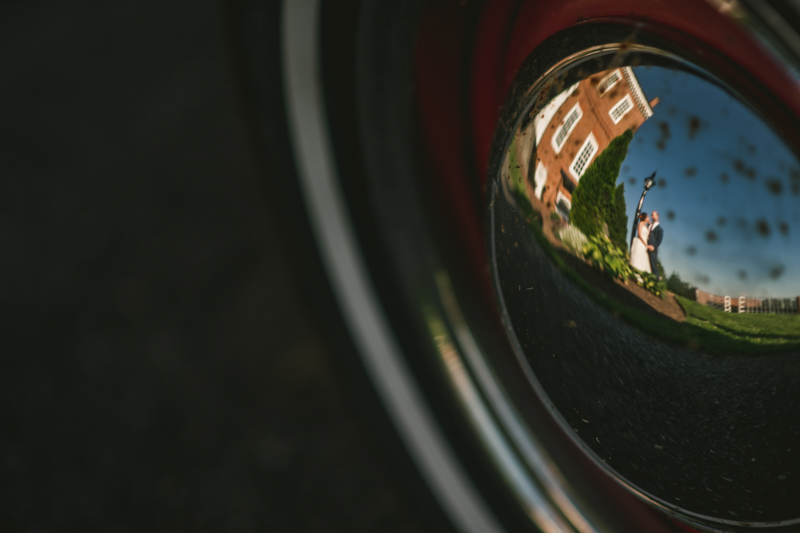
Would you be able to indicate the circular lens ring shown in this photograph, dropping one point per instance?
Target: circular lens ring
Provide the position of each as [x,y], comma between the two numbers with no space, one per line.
[458,41]
[499,33]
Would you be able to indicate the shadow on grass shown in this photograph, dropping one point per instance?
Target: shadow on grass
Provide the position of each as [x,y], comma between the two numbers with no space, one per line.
[704,330]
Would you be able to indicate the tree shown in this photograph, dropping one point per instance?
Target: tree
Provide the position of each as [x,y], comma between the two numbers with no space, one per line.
[618,219]
[677,286]
[593,199]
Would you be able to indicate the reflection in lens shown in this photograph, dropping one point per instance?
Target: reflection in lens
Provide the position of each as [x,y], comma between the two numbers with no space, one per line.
[646,239]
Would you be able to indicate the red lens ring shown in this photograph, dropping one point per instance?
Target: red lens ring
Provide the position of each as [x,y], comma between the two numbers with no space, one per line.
[506,34]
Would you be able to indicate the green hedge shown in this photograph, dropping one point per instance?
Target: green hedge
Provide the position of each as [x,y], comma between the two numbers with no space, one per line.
[607,257]
[593,199]
[618,219]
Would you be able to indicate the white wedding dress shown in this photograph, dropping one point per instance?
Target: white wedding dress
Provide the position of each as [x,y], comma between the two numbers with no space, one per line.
[639,257]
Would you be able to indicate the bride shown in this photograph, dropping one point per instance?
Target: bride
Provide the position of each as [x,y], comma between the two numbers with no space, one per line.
[639,257]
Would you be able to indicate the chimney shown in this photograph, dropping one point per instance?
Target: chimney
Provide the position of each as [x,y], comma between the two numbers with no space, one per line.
[654,102]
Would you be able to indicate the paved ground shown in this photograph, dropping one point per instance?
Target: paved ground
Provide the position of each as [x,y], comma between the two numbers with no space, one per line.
[159,372]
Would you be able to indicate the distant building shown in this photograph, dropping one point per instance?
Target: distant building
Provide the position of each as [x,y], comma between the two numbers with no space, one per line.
[577,125]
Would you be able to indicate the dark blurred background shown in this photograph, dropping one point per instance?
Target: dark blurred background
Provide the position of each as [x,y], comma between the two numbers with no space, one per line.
[161,370]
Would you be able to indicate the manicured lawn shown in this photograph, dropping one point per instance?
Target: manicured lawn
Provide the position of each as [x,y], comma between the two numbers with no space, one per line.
[764,329]
[514,170]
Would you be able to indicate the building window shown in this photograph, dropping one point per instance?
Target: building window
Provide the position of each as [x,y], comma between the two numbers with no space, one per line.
[563,205]
[621,108]
[584,157]
[608,82]
[567,125]
[569,183]
[540,178]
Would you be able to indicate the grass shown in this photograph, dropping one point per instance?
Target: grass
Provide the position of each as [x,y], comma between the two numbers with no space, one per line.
[515,172]
[705,329]
[762,330]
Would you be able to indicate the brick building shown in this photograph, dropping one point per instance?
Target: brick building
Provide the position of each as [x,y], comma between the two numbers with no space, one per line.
[577,125]
[746,304]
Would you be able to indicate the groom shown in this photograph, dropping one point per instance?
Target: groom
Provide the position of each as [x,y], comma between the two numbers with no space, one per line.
[653,242]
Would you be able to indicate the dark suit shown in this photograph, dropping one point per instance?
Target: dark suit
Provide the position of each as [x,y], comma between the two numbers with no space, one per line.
[656,234]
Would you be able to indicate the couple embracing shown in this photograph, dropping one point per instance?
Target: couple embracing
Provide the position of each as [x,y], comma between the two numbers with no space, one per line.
[644,250]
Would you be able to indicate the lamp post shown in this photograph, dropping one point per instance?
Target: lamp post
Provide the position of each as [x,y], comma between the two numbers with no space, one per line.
[648,184]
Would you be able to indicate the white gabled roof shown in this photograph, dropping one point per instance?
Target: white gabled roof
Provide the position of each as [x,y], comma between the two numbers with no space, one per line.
[638,93]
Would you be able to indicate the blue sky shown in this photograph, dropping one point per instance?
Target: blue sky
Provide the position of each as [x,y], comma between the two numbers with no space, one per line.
[726,179]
